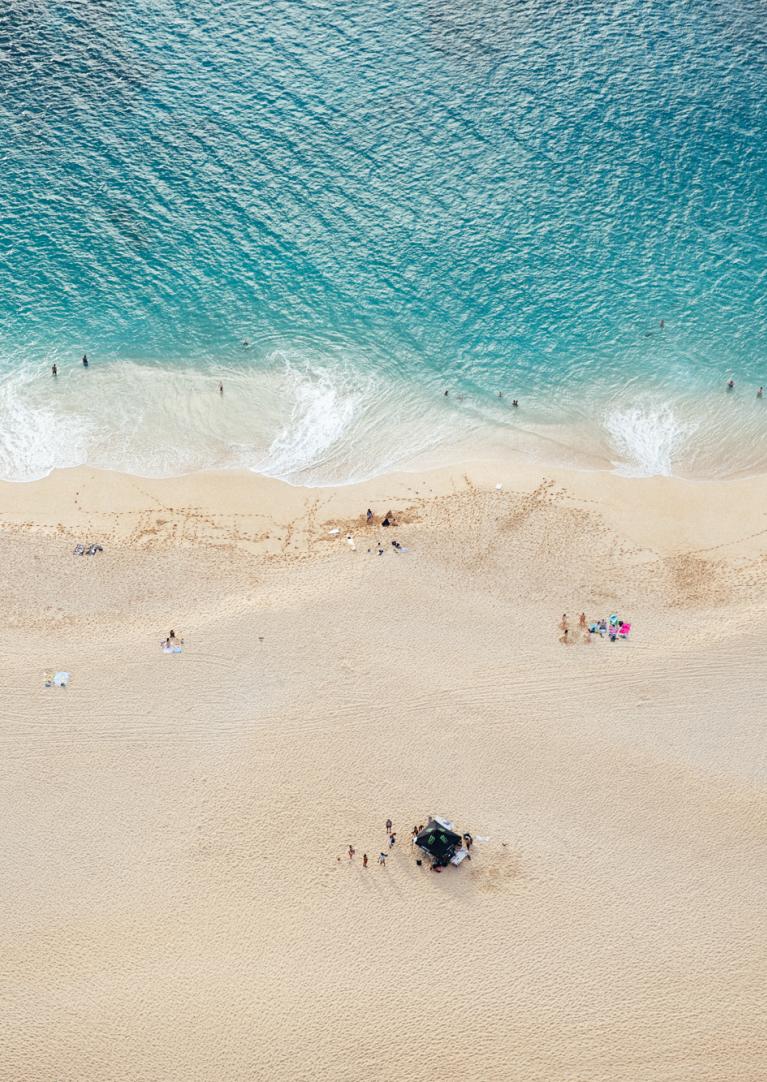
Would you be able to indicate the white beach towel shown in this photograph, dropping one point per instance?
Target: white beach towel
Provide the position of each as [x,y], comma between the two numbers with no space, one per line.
[61,679]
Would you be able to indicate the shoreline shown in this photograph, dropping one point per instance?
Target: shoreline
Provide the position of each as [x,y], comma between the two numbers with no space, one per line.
[668,512]
[329,426]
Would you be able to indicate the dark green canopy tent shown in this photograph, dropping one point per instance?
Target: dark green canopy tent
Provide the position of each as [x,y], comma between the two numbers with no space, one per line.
[438,840]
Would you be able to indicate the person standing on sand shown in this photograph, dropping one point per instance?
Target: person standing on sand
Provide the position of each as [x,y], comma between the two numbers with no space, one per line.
[352,851]
[369,516]
[364,860]
[388,826]
[413,835]
[582,621]
[382,859]
[563,622]
[350,542]
[392,840]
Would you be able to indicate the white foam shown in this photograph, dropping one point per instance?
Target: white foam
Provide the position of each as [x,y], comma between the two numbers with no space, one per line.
[323,405]
[36,435]
[321,417]
[299,415]
[648,439]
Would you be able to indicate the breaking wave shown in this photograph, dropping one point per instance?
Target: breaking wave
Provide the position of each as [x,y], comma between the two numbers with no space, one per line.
[648,440]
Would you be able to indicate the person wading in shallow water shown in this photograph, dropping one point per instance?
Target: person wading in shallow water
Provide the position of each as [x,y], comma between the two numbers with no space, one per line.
[85,360]
[54,370]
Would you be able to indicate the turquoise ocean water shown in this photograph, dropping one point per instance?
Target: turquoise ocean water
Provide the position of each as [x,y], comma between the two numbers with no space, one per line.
[342,209]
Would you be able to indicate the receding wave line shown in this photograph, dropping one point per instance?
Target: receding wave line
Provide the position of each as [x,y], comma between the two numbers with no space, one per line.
[323,420]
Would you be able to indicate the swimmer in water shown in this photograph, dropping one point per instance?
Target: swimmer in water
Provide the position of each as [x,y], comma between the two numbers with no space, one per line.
[500,394]
[730,383]
[85,360]
[447,393]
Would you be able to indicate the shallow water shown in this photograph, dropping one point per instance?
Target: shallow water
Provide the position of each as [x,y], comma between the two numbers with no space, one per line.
[383,201]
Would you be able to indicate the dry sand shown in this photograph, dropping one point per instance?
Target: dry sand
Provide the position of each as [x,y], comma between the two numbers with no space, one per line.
[173,906]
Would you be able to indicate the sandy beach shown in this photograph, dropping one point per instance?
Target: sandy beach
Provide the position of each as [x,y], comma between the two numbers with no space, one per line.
[174,905]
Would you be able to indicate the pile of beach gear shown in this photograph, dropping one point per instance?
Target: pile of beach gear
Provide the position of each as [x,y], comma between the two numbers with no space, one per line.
[614,627]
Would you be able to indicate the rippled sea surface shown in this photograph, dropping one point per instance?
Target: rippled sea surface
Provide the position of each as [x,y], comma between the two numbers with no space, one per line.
[344,209]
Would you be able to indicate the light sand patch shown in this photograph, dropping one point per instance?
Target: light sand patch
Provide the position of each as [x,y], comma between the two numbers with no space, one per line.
[174,906]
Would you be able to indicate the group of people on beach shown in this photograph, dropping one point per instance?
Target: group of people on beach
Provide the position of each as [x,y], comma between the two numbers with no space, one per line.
[614,627]
[391,837]
[391,841]
[387,521]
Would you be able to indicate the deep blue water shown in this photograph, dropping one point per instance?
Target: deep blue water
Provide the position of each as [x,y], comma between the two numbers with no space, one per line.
[423,194]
